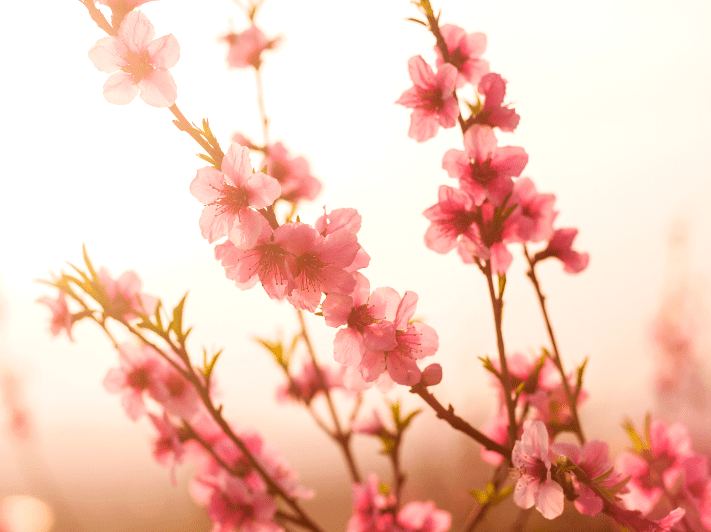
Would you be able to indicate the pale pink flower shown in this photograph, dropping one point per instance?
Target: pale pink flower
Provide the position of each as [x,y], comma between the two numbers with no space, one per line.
[483,169]
[493,113]
[423,517]
[431,98]
[292,173]
[246,48]
[487,240]
[414,341]
[365,317]
[371,425]
[142,63]
[464,53]
[534,212]
[140,371]
[61,317]
[560,246]
[230,197]
[182,398]
[317,263]
[532,459]
[125,299]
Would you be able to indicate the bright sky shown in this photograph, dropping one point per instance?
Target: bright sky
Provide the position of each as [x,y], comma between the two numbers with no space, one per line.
[615,116]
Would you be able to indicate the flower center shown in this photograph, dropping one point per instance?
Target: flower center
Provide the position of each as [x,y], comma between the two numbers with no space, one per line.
[481,172]
[457,58]
[233,199]
[175,385]
[431,99]
[138,379]
[309,270]
[138,65]
[360,318]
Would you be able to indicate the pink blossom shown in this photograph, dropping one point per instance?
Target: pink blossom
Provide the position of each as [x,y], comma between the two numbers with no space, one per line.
[488,238]
[371,425]
[593,460]
[142,63]
[496,429]
[230,197]
[347,220]
[365,317]
[292,173]
[369,506]
[317,263]
[423,517]
[61,317]
[464,51]
[234,506]
[560,246]
[414,341]
[452,218]
[125,300]
[431,97]
[531,458]
[306,384]
[493,113]
[246,48]
[483,169]
[167,447]
[140,371]
[181,398]
[534,212]
[265,262]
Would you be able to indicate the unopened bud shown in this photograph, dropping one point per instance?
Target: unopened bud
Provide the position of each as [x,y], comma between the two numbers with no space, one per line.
[432,375]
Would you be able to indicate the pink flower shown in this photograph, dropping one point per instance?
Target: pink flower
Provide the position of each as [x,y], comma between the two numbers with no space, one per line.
[230,197]
[265,262]
[364,314]
[423,517]
[493,113]
[140,371]
[414,341]
[593,460]
[483,169]
[181,398]
[234,506]
[464,51]
[167,447]
[246,48]
[531,457]
[534,212]
[61,317]
[560,246]
[488,238]
[143,63]
[306,384]
[452,218]
[125,300]
[292,173]
[369,508]
[317,263]
[432,98]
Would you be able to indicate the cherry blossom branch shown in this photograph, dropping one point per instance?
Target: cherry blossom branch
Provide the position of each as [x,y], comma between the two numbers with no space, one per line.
[98,17]
[572,398]
[497,306]
[458,423]
[204,138]
[343,438]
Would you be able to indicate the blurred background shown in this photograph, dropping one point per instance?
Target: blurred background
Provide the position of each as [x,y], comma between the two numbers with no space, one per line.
[616,119]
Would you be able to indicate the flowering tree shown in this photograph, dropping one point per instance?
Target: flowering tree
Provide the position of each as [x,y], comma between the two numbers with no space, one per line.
[489,214]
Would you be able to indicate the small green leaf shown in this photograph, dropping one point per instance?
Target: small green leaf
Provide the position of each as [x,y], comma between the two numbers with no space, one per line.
[92,271]
[417,20]
[276,349]
[159,320]
[177,324]
[502,284]
[632,433]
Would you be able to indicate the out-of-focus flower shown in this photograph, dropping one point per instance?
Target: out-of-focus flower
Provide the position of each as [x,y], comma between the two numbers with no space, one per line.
[246,48]
[142,63]
[464,53]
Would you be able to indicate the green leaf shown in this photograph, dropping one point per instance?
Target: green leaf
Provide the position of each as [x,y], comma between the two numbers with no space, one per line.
[276,349]
[177,324]
[209,366]
[159,320]
[404,423]
[632,433]
[489,366]
[92,271]
[579,379]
